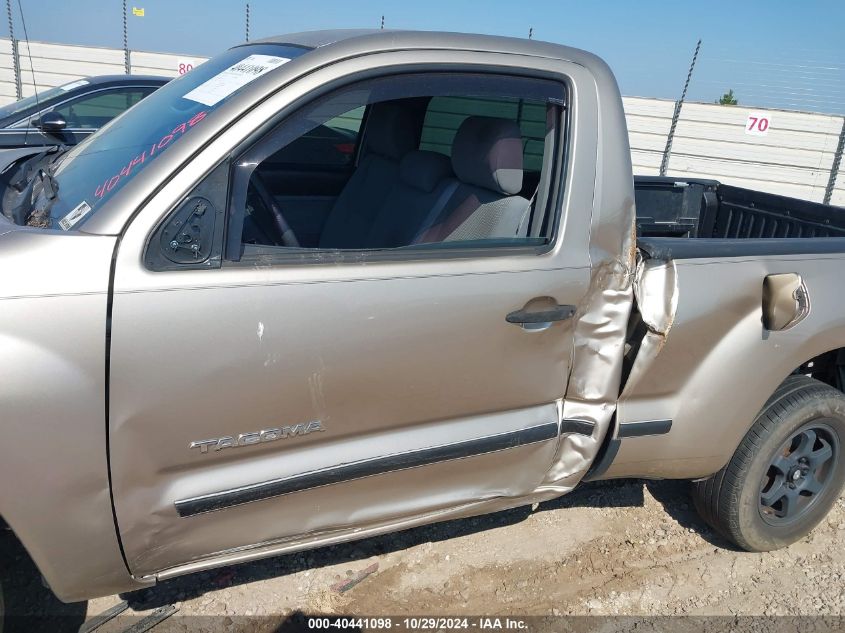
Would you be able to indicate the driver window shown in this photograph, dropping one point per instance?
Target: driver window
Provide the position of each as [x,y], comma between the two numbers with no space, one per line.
[410,162]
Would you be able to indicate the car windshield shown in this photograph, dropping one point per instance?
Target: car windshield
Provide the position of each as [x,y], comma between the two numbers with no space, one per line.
[90,173]
[42,97]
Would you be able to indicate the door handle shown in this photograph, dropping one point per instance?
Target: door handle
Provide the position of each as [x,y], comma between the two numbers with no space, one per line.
[535,319]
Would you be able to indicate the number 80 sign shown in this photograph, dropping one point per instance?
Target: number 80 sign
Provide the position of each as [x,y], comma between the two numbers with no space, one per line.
[758,123]
[184,66]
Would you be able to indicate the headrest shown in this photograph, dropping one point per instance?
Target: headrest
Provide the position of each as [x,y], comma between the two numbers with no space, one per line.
[391,131]
[487,152]
[424,170]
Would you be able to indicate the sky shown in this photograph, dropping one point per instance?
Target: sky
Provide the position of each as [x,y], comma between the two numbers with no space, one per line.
[772,53]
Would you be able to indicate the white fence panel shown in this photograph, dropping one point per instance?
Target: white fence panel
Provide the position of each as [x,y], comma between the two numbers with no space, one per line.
[164,64]
[57,64]
[8,94]
[794,155]
[838,196]
[648,126]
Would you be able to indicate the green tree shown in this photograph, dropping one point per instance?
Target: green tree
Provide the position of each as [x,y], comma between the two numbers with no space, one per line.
[728,98]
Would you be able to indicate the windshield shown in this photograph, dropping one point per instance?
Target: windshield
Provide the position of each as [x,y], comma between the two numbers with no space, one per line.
[90,173]
[42,97]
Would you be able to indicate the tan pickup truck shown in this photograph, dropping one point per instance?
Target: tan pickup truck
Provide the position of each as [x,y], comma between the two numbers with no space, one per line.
[331,285]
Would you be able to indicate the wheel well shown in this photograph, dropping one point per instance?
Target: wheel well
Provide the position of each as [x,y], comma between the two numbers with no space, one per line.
[828,368]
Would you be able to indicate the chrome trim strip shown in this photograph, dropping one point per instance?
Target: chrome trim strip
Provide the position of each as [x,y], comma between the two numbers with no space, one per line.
[641,429]
[365,468]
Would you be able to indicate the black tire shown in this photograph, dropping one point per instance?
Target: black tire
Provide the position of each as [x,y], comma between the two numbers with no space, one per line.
[780,482]
[26,605]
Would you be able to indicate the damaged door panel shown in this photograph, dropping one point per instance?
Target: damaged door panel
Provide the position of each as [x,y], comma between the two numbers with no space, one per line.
[428,381]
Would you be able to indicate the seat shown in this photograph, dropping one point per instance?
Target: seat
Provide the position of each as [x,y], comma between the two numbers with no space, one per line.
[390,134]
[424,179]
[487,162]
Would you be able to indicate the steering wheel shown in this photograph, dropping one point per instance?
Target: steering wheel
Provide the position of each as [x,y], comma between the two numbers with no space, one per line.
[286,233]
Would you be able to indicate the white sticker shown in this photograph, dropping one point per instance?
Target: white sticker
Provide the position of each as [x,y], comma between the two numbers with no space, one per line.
[73,84]
[226,82]
[758,123]
[75,215]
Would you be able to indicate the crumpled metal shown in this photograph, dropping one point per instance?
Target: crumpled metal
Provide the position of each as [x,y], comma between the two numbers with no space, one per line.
[596,367]
[656,293]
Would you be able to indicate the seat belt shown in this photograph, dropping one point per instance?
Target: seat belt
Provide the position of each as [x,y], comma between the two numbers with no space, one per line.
[527,211]
[437,209]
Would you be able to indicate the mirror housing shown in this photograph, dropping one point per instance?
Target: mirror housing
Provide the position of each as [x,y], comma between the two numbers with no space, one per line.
[51,122]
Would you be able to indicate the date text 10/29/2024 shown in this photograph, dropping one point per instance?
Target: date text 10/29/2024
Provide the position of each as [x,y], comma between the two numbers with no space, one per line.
[422,623]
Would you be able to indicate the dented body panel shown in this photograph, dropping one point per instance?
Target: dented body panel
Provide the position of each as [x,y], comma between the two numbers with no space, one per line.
[718,364]
[244,410]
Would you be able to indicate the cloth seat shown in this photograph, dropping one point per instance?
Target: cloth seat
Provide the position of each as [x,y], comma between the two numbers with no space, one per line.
[423,181]
[390,134]
[487,162]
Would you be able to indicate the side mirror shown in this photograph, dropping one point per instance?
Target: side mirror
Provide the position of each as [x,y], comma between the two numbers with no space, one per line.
[51,122]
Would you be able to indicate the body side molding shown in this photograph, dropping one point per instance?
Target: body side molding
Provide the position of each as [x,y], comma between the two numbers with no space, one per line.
[641,429]
[365,468]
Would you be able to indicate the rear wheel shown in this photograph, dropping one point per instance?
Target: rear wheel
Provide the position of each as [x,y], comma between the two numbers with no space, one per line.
[787,472]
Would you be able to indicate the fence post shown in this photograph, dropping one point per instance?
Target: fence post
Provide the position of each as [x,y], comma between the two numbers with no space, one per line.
[834,168]
[667,151]
[16,60]
[126,63]
[16,66]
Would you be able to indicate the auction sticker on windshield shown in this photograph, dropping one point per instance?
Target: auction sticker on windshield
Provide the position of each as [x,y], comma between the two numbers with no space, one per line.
[236,76]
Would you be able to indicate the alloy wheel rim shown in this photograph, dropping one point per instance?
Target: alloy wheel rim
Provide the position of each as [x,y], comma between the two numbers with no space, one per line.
[799,473]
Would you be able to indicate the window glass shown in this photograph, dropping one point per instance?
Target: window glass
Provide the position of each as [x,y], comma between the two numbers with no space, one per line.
[443,161]
[331,143]
[445,115]
[94,111]
[93,171]
[39,100]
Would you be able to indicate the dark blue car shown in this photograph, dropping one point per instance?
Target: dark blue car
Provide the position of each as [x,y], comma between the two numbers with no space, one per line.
[69,113]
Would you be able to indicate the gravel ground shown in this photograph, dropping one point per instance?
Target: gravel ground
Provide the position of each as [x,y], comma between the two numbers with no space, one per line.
[610,548]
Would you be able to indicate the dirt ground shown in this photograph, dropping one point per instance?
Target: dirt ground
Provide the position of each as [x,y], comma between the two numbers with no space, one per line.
[609,548]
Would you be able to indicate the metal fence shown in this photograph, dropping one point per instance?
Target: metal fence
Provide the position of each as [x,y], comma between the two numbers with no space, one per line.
[795,153]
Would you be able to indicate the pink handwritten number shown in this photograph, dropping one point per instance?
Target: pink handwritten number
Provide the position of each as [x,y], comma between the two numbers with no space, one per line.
[109,183]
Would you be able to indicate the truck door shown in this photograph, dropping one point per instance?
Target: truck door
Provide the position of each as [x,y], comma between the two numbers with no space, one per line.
[409,361]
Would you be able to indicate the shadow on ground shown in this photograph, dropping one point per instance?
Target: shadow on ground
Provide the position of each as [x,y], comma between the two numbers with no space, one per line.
[673,495]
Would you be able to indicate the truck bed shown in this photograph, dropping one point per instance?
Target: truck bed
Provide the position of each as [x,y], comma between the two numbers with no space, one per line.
[687,208]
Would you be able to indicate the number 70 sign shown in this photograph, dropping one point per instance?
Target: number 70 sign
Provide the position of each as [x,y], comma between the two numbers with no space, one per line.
[758,123]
